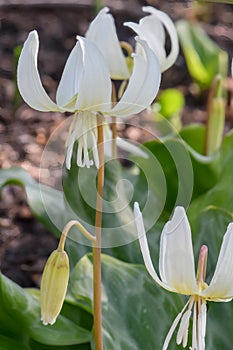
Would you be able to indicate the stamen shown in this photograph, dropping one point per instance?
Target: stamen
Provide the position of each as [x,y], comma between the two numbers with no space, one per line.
[201,323]
[183,329]
[182,334]
[80,153]
[194,332]
[173,327]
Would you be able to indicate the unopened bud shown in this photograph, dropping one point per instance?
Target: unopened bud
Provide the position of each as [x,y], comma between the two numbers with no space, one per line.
[54,285]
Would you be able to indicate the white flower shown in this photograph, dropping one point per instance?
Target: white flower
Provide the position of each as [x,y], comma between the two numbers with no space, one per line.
[85,89]
[151,29]
[102,32]
[177,274]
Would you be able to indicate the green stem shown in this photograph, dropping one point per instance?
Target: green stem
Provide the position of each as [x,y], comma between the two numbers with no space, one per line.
[66,229]
[96,247]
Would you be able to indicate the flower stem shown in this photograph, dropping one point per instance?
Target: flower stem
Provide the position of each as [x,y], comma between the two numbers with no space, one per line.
[114,137]
[88,235]
[113,125]
[96,246]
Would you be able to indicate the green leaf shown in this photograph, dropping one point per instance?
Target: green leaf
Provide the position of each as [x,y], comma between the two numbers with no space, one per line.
[136,313]
[7,343]
[221,194]
[203,57]
[171,102]
[206,169]
[20,317]
[171,181]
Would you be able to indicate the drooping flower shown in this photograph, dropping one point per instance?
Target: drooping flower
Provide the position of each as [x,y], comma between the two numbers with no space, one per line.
[152,29]
[102,32]
[85,89]
[177,274]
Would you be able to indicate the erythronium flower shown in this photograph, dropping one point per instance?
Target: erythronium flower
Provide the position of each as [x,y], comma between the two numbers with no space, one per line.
[85,89]
[177,274]
[102,31]
[151,29]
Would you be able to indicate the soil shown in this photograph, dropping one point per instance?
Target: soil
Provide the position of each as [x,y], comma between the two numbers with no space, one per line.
[24,243]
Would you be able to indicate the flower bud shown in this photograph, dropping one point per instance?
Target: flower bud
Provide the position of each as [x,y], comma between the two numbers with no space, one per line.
[54,285]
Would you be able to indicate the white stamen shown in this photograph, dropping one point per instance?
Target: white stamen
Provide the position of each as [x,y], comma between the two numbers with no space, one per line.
[201,324]
[83,129]
[173,327]
[80,153]
[182,334]
[183,329]
[194,335]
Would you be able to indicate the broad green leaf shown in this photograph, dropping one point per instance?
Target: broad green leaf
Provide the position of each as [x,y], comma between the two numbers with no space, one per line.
[203,57]
[171,183]
[20,315]
[221,194]
[206,169]
[7,343]
[136,313]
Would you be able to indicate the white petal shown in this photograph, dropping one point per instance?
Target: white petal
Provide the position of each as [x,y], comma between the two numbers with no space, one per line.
[150,28]
[102,32]
[143,84]
[85,82]
[176,260]
[171,29]
[221,285]
[69,85]
[144,247]
[152,31]
[29,83]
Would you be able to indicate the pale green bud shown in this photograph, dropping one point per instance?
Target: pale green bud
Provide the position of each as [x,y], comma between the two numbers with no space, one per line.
[54,285]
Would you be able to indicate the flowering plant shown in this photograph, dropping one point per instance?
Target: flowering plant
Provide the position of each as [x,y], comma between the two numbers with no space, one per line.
[96,292]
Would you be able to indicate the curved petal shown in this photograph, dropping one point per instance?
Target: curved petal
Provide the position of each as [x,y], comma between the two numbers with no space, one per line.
[95,84]
[85,83]
[145,249]
[29,83]
[150,28]
[152,31]
[171,29]
[221,285]
[176,260]
[102,32]
[69,85]
[143,84]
